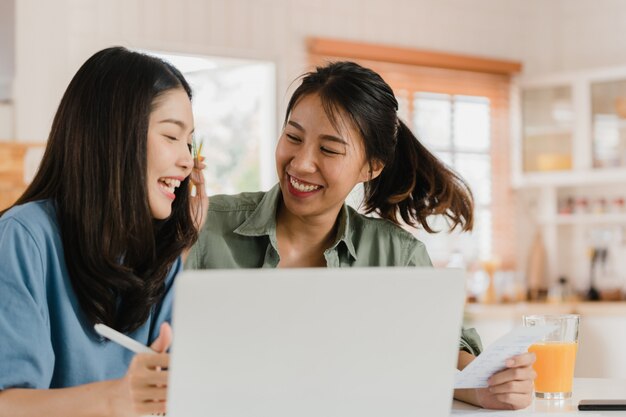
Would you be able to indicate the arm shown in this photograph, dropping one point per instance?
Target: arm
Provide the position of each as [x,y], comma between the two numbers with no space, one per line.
[199,203]
[143,390]
[509,389]
[27,355]
[97,399]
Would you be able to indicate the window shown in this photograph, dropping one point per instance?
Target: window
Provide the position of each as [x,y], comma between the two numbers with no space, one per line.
[458,106]
[234,112]
[456,129]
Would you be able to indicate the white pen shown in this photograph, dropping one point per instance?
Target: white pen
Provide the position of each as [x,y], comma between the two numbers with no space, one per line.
[121,339]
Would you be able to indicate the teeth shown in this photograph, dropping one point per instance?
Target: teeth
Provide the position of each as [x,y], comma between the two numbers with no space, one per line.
[302,187]
[169,184]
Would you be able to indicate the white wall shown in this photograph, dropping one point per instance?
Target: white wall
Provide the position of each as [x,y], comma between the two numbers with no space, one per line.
[7,47]
[565,35]
[42,69]
[54,37]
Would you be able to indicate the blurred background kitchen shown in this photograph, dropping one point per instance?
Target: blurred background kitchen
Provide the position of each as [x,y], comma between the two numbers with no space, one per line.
[525,98]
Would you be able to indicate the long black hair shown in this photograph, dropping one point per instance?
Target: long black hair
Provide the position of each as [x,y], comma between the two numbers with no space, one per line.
[413,184]
[94,170]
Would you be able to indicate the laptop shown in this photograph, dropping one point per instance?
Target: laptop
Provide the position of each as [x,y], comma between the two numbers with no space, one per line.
[322,342]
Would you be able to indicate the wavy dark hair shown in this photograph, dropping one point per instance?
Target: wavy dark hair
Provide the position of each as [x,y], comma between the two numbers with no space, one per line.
[94,170]
[413,184]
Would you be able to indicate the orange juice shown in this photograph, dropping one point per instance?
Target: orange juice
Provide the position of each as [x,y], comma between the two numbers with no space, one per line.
[554,366]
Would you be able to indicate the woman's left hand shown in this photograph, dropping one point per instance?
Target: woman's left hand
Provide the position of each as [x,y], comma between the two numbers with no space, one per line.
[199,201]
[511,388]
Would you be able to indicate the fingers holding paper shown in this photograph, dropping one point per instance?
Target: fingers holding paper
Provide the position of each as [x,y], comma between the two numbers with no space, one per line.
[511,388]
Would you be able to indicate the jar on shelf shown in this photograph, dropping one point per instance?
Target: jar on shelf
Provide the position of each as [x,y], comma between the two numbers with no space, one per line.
[581,206]
[618,205]
[566,206]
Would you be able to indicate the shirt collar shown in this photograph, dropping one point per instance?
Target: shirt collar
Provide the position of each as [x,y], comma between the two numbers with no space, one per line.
[344,232]
[262,221]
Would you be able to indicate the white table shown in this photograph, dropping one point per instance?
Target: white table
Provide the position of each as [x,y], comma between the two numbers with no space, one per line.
[584,388]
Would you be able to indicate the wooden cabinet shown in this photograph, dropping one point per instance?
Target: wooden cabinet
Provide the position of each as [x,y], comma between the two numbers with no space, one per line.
[548,129]
[570,171]
[18,163]
[572,123]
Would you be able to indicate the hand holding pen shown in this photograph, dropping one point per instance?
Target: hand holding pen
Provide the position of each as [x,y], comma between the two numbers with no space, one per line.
[121,339]
[144,386]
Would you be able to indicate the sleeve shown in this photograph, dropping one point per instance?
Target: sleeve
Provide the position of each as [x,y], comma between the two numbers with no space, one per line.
[470,342]
[26,353]
[193,261]
[418,255]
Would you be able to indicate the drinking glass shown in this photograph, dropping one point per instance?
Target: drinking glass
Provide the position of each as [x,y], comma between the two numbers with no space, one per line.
[556,355]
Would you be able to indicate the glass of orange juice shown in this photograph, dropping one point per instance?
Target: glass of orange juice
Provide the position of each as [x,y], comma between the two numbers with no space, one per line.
[556,355]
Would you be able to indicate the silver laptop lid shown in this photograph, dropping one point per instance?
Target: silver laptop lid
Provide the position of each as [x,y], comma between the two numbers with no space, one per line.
[315,342]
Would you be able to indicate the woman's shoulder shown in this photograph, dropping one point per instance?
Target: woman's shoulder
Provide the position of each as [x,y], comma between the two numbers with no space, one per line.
[385,241]
[35,216]
[29,234]
[360,223]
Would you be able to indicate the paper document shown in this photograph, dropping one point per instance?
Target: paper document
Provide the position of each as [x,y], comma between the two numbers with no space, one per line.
[476,374]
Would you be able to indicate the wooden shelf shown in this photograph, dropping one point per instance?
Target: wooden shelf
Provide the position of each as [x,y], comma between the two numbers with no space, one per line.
[516,310]
[572,178]
[587,218]
[15,169]
[540,131]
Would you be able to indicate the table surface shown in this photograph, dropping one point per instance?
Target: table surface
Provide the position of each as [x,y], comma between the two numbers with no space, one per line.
[584,388]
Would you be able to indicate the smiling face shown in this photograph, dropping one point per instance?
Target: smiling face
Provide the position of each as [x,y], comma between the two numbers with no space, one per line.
[169,149]
[318,164]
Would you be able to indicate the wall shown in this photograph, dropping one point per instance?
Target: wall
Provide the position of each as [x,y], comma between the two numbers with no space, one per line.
[42,68]
[569,35]
[7,66]
[54,38]
[7,47]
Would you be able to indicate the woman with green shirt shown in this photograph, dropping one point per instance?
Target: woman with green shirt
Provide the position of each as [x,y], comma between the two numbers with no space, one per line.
[341,129]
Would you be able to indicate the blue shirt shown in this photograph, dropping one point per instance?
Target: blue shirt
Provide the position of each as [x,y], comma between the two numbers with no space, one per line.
[45,340]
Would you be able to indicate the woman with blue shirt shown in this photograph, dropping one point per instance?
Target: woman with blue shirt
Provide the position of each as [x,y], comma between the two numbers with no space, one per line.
[97,238]
[341,129]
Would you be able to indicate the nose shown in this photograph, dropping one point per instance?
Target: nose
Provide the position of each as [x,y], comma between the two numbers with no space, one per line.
[303,160]
[185,161]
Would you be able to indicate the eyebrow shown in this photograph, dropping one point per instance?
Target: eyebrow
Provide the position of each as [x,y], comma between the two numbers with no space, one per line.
[323,137]
[178,123]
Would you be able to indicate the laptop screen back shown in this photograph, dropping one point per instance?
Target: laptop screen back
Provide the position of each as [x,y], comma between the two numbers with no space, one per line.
[315,342]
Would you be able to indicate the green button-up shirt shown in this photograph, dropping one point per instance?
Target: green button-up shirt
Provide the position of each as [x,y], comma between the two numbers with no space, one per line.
[240,232]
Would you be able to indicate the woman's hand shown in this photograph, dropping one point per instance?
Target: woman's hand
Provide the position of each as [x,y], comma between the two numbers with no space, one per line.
[145,383]
[511,388]
[199,201]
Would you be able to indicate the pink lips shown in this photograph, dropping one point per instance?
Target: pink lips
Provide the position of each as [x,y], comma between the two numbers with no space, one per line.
[169,195]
